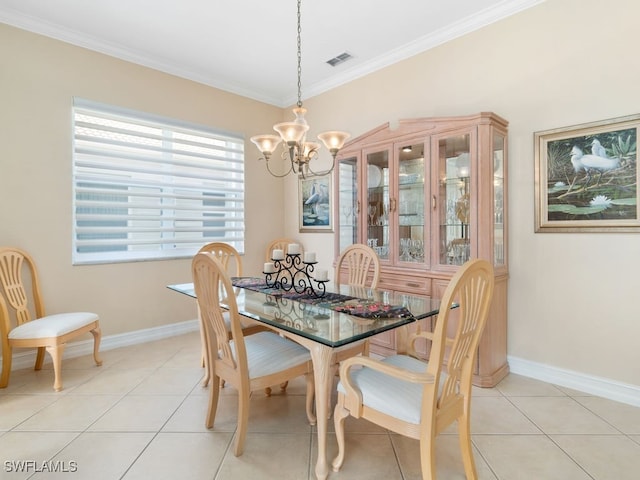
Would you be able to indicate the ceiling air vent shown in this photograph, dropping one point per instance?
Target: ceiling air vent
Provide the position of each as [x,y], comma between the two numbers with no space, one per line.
[343,57]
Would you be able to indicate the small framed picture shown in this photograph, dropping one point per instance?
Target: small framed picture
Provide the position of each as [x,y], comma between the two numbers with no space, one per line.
[315,204]
[586,177]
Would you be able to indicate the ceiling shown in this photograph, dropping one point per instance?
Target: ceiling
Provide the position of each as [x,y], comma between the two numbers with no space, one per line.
[248,47]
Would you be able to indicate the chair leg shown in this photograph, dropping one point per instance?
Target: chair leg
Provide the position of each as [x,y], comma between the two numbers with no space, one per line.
[428,459]
[97,335]
[6,365]
[56,356]
[243,420]
[339,415]
[464,435]
[214,394]
[39,358]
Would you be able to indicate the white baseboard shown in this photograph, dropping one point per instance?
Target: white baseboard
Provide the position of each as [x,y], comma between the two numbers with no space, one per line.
[601,387]
[26,358]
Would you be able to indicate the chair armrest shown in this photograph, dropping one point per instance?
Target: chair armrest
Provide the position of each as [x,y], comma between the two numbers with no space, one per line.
[401,373]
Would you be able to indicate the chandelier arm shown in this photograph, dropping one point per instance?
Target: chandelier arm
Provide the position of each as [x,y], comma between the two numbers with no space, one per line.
[320,174]
[278,175]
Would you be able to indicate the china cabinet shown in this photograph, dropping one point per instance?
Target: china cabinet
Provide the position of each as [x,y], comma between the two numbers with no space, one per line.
[428,195]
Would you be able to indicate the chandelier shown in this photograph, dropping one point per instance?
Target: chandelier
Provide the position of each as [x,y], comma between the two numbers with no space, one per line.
[296,150]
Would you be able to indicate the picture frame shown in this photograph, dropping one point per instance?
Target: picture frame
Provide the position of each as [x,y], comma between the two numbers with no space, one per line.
[586,177]
[315,204]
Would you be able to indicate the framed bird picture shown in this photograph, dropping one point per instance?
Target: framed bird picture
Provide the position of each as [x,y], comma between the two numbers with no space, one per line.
[586,177]
[315,204]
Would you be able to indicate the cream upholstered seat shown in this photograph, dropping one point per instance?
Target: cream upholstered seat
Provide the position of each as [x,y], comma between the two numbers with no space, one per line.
[418,399]
[232,262]
[362,263]
[23,323]
[246,363]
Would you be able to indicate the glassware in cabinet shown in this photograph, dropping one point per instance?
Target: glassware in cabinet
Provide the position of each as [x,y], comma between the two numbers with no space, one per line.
[348,205]
[377,175]
[454,199]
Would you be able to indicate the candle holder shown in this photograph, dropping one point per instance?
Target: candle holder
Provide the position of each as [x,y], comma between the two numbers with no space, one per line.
[292,273]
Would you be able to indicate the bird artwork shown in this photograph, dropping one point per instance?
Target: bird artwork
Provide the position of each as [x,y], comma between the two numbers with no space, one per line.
[319,194]
[599,163]
[597,149]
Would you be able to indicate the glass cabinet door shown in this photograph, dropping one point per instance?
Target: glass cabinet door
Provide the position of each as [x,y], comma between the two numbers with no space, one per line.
[410,203]
[348,202]
[454,199]
[377,204]
[499,145]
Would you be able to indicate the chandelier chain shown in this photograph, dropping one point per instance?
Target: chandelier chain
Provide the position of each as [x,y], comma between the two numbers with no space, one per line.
[299,59]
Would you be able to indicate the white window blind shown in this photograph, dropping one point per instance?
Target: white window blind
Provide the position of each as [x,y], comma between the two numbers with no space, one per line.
[147,187]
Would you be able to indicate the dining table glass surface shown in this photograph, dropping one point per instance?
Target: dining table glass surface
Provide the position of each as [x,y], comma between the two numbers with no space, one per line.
[345,315]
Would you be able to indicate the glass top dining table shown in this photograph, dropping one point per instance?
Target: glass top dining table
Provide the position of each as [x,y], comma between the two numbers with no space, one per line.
[332,328]
[359,313]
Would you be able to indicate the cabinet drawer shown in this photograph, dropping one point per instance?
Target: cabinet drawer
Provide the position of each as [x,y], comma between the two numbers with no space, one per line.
[405,283]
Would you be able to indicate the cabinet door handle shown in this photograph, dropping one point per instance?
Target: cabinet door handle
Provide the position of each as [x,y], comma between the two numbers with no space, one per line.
[433,202]
[358,206]
[392,204]
[412,284]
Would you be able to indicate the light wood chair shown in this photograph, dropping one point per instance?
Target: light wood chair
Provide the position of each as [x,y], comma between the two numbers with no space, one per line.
[231,260]
[281,244]
[24,324]
[418,399]
[362,263]
[246,363]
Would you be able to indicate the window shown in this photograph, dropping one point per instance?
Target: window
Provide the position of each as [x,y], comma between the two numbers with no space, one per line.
[147,187]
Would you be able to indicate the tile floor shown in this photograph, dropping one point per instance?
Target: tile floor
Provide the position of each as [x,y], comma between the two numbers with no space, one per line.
[141,416]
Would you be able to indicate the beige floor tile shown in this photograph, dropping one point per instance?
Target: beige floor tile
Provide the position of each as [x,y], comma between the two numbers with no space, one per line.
[527,457]
[15,409]
[604,457]
[99,456]
[448,459]
[625,418]
[366,456]
[112,381]
[70,413]
[561,415]
[191,415]
[42,381]
[38,447]
[497,415]
[519,386]
[170,381]
[138,413]
[185,456]
[279,413]
[268,456]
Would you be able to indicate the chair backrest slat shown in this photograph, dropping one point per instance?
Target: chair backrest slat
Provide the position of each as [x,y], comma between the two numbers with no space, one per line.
[362,263]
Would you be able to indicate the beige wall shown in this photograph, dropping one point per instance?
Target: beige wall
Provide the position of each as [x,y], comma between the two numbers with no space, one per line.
[572,301]
[38,78]
[573,298]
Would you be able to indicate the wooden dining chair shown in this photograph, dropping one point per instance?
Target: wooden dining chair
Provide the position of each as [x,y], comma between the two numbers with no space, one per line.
[420,399]
[362,265]
[231,260]
[24,324]
[247,363]
[280,244]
